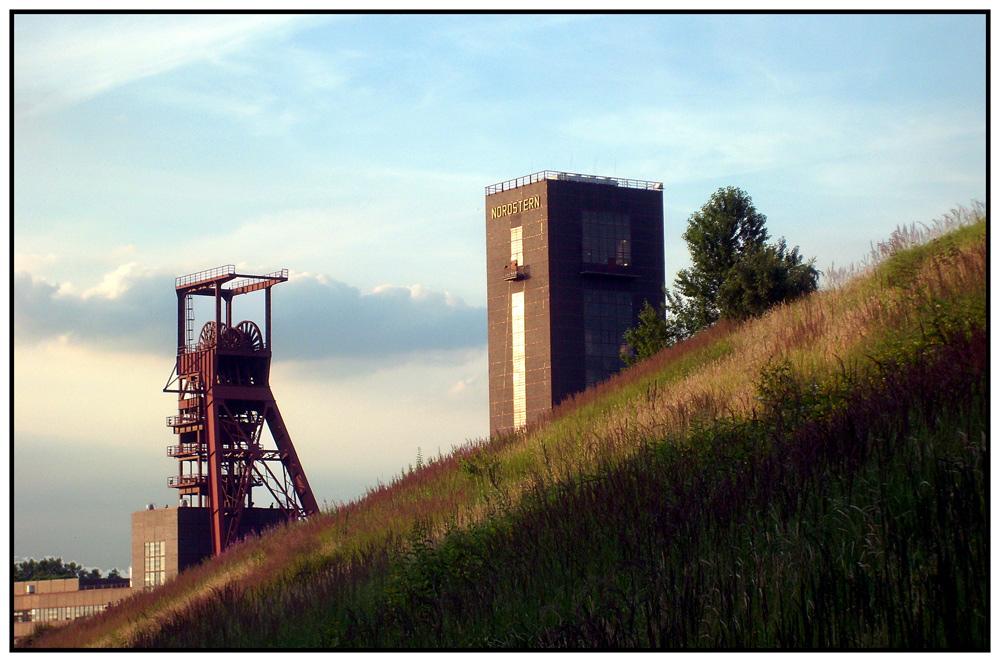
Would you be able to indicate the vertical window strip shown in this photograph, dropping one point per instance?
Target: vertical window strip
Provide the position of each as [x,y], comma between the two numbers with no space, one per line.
[517,354]
[606,317]
[516,246]
[155,562]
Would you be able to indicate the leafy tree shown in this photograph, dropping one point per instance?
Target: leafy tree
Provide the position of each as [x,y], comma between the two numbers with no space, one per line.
[54,568]
[719,235]
[734,274]
[765,277]
[648,337]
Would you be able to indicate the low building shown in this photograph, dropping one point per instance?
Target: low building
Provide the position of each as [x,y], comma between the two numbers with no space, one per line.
[57,601]
[165,541]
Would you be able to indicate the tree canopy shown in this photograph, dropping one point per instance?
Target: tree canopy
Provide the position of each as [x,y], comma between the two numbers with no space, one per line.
[734,274]
[54,568]
[719,236]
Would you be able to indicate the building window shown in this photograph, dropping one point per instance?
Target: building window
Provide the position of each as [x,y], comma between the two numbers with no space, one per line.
[607,238]
[45,614]
[607,315]
[517,358]
[155,563]
[516,246]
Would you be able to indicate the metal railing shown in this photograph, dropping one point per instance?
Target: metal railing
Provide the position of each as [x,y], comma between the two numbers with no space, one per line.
[571,177]
[227,270]
[186,449]
[208,274]
[192,479]
[513,271]
[187,418]
[281,274]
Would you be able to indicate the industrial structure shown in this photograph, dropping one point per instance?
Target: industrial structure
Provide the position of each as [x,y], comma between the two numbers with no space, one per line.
[224,400]
[570,261]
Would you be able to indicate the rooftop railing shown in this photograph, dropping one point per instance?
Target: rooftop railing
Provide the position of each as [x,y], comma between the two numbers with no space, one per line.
[571,177]
[252,280]
[208,274]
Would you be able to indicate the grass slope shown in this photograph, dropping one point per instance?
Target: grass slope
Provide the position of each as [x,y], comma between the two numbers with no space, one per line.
[812,478]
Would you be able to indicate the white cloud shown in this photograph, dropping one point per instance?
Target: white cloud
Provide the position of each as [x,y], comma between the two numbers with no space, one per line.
[60,60]
[462,385]
[132,308]
[33,262]
[117,282]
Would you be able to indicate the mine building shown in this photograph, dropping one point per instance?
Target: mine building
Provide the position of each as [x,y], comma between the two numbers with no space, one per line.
[570,261]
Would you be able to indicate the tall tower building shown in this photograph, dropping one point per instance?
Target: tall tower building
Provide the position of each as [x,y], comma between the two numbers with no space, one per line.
[570,260]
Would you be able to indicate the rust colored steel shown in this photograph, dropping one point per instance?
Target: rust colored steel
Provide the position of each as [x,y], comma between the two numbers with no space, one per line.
[224,402]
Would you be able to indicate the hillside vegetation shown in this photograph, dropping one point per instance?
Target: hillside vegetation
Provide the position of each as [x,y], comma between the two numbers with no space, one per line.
[815,477]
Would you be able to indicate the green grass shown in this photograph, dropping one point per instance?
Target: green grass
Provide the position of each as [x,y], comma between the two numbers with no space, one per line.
[797,481]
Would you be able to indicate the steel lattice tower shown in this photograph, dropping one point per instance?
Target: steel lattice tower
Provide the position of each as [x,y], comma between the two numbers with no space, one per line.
[224,400]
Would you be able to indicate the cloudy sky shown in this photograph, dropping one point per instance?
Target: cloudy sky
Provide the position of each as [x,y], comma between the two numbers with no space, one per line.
[354,150]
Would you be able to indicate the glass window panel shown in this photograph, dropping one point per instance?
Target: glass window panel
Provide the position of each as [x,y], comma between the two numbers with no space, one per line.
[516,246]
[607,315]
[517,356]
[606,237]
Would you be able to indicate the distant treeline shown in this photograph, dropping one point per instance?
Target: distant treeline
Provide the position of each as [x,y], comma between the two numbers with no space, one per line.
[53,568]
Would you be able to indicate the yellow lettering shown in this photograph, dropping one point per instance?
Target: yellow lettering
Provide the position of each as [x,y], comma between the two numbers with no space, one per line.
[516,207]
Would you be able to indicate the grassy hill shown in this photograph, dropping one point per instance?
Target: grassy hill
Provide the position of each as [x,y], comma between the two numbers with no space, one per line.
[812,478]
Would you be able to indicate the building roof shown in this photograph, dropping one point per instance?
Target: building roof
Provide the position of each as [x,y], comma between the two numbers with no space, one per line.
[571,177]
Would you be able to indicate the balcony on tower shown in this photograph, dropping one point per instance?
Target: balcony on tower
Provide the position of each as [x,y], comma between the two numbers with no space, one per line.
[514,271]
[186,420]
[187,450]
[188,480]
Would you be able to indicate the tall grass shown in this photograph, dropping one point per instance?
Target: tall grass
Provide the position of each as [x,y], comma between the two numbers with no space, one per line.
[675,505]
[855,518]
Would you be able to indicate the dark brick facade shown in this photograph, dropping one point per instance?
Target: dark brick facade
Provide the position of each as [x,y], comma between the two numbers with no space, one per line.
[592,254]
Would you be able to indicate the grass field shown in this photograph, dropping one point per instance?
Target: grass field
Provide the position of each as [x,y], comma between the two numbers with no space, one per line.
[814,478]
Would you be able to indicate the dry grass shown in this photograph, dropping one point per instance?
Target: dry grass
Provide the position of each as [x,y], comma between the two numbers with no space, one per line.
[711,375]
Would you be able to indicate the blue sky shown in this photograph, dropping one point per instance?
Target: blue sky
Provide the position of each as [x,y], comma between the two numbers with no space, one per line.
[354,151]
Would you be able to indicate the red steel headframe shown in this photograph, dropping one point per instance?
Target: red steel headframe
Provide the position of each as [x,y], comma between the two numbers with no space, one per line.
[224,400]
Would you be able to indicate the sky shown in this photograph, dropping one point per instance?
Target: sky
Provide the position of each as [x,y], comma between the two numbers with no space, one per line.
[354,151]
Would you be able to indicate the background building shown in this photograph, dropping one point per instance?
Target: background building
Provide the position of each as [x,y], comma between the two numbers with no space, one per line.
[570,260]
[165,541]
[57,601]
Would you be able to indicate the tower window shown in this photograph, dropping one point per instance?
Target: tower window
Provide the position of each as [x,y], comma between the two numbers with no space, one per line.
[155,563]
[606,316]
[516,246]
[517,358]
[607,238]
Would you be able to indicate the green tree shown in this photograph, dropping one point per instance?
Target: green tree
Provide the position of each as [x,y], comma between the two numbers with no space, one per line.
[54,568]
[719,235]
[734,274]
[648,337]
[764,277]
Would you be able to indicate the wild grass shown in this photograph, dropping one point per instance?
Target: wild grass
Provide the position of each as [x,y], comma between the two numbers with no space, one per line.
[793,481]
